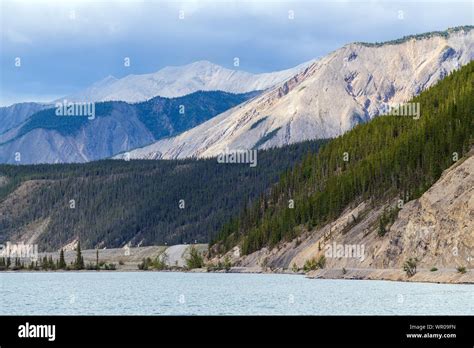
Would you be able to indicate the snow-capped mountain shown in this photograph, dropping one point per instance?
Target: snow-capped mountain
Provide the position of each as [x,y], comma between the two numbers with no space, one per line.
[348,86]
[178,81]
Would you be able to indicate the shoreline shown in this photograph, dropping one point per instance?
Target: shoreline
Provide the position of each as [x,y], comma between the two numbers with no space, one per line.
[443,276]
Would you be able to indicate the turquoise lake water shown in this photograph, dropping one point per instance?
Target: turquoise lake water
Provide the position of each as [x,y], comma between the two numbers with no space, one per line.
[167,293]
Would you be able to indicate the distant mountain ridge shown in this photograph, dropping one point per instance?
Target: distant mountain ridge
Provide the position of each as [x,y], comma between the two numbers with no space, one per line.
[444,33]
[13,115]
[319,99]
[350,86]
[177,81]
[116,127]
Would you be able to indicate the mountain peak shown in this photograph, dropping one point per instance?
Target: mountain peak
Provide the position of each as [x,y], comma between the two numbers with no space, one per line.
[106,80]
[177,81]
[204,63]
[197,65]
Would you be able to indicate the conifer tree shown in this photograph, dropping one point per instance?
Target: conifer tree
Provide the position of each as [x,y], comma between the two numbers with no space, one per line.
[62,262]
[50,262]
[44,263]
[79,259]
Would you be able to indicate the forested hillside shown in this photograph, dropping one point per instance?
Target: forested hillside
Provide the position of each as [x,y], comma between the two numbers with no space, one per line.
[391,156]
[148,202]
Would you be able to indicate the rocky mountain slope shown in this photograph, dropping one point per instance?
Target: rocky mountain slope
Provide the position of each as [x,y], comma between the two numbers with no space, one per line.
[13,115]
[381,194]
[177,81]
[115,127]
[351,85]
[436,228]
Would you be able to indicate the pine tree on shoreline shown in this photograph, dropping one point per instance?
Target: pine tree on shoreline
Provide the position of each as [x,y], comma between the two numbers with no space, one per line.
[79,259]
[62,262]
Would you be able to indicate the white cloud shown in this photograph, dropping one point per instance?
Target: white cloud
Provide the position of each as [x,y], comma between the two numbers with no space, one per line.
[59,36]
[16,37]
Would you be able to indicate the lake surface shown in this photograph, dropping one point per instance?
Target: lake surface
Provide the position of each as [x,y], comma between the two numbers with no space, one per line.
[163,293]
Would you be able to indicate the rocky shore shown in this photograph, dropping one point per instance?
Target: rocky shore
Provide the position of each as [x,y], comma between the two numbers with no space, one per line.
[445,276]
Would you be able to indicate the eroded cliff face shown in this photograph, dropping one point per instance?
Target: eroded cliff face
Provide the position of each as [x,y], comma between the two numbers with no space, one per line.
[437,229]
[349,86]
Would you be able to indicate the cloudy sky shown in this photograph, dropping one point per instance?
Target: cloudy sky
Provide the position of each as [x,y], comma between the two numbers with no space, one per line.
[65,46]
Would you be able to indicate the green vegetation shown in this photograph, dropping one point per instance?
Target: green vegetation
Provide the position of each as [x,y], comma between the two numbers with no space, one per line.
[461,269]
[419,36]
[390,157]
[47,119]
[195,259]
[4,263]
[433,269]
[294,268]
[110,267]
[160,115]
[120,201]
[48,264]
[409,266]
[160,262]
[18,264]
[198,107]
[62,261]
[387,218]
[255,124]
[100,266]
[79,264]
[226,265]
[145,264]
[266,138]
[313,264]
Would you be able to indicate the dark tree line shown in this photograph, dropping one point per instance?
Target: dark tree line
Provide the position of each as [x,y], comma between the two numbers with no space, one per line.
[46,263]
[116,201]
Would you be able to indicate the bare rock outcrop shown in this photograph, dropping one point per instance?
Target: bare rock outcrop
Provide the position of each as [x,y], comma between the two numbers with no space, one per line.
[437,229]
